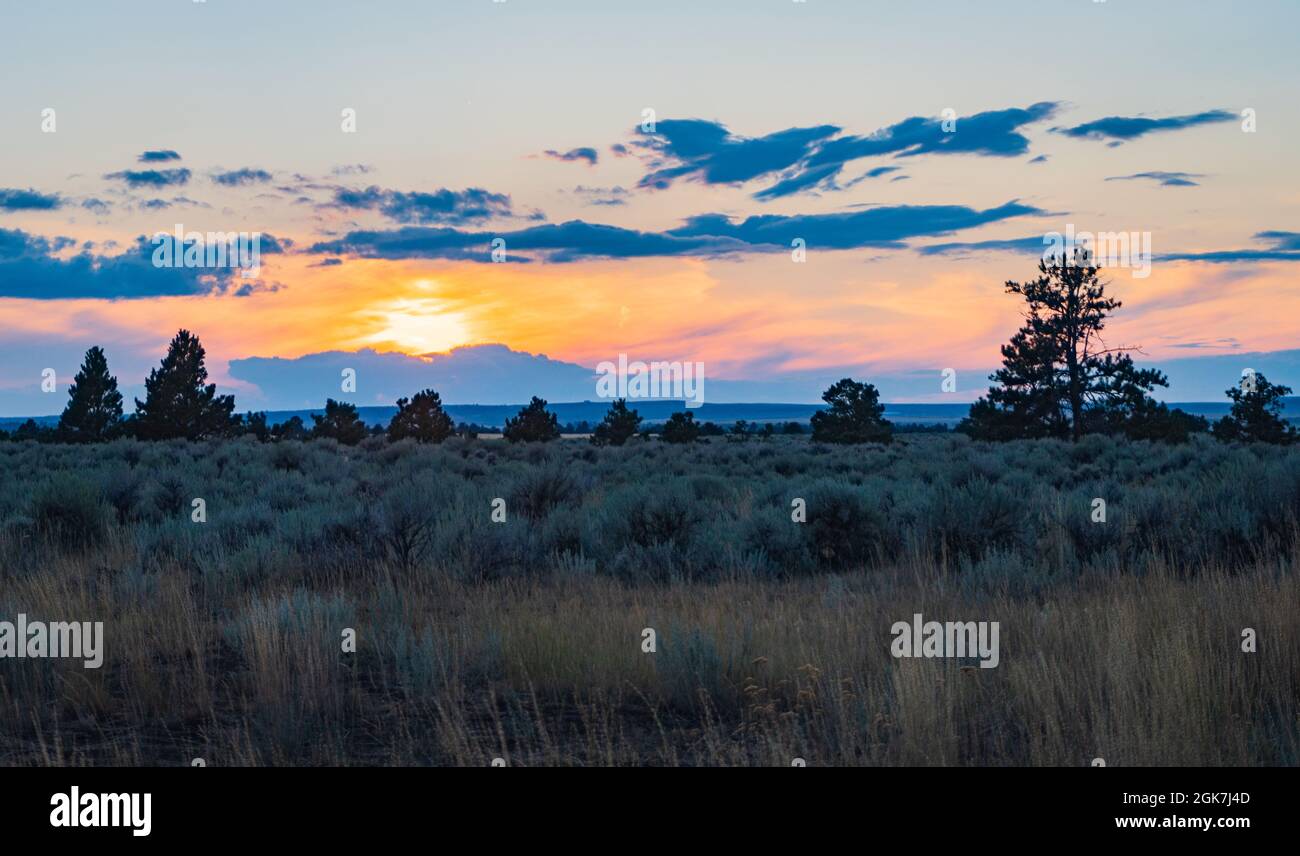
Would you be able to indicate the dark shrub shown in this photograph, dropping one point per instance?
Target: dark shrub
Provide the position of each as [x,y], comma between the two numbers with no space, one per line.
[70,512]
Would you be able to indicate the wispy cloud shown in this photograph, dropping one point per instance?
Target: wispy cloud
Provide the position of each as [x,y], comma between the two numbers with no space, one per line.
[241,177]
[1165,179]
[1285,247]
[586,153]
[708,235]
[152,177]
[442,206]
[1120,129]
[811,158]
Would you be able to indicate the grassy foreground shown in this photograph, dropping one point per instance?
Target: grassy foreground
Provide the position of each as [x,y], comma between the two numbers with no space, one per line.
[523,640]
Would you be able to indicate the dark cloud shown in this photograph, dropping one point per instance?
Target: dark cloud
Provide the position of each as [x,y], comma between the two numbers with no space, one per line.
[352,169]
[31,268]
[158,156]
[1123,128]
[807,159]
[1285,247]
[14,199]
[1034,244]
[241,177]
[1165,179]
[706,151]
[1039,159]
[152,177]
[442,206]
[585,153]
[708,235]
[1280,240]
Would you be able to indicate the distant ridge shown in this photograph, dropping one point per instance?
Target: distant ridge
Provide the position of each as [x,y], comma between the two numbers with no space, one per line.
[495,415]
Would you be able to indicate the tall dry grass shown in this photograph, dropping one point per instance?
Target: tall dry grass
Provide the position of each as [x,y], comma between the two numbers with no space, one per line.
[223,639]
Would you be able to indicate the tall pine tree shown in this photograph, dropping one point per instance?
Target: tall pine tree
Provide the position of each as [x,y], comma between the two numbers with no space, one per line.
[1058,377]
[94,405]
[179,402]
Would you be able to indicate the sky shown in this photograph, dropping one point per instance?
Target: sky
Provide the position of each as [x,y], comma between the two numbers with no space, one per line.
[787,192]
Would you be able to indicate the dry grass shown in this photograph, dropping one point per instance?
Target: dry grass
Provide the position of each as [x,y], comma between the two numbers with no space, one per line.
[1139,664]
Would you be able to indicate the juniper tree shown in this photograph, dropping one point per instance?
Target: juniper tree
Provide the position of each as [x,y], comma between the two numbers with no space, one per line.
[94,407]
[339,422]
[255,423]
[618,426]
[853,414]
[681,428]
[532,424]
[179,402]
[1256,413]
[421,418]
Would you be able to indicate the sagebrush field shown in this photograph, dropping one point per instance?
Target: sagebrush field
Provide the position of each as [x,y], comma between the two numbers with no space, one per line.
[522,640]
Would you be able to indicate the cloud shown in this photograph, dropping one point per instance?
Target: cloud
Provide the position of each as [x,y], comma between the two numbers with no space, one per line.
[806,159]
[1281,240]
[158,156]
[1033,244]
[1124,128]
[162,204]
[799,181]
[352,169]
[706,151]
[1166,179]
[481,374]
[241,177]
[708,235]
[1285,248]
[14,199]
[607,196]
[443,206]
[585,153]
[30,268]
[1039,159]
[1216,344]
[152,177]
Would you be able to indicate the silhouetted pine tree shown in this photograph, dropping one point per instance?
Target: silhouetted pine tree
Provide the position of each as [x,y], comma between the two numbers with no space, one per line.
[179,402]
[94,407]
[1058,378]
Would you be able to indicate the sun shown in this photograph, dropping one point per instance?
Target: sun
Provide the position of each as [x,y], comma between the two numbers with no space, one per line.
[416,325]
